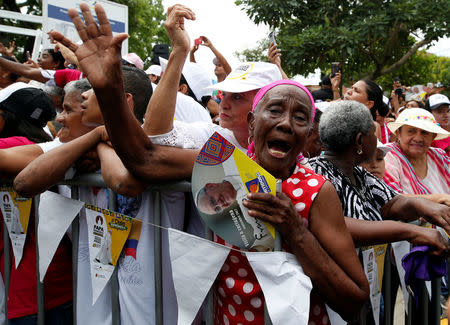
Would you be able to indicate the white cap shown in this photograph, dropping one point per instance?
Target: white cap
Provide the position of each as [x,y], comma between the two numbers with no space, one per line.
[249,76]
[421,119]
[196,76]
[383,147]
[437,100]
[154,69]
[134,59]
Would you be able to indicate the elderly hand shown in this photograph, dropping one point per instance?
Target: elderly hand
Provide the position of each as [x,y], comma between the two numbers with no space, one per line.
[279,211]
[435,213]
[174,25]
[206,42]
[100,54]
[431,237]
[274,54]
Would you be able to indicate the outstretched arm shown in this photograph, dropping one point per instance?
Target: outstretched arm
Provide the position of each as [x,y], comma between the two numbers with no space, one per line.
[226,66]
[100,59]
[50,168]
[161,108]
[23,70]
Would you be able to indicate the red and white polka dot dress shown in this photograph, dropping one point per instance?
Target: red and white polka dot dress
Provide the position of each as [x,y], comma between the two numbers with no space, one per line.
[238,298]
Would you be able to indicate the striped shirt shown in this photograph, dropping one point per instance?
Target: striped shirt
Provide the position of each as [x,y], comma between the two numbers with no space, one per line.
[400,174]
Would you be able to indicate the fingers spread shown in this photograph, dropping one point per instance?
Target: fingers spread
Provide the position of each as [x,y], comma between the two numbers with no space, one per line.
[104,25]
[78,23]
[91,25]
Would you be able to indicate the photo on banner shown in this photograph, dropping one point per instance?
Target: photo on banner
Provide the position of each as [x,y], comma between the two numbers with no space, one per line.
[16,214]
[107,233]
[221,179]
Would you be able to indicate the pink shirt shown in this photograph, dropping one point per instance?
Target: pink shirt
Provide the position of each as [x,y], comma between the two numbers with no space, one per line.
[13,142]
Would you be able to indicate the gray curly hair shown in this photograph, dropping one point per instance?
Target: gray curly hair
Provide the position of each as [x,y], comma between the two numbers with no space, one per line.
[341,122]
[80,85]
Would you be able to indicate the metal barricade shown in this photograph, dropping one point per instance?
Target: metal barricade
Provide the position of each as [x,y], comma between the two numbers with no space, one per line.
[95,180]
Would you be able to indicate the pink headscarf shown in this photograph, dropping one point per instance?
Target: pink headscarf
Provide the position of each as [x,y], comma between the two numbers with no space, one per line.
[260,95]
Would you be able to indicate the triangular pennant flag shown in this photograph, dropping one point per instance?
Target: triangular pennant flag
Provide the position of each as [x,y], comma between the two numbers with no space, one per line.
[56,213]
[334,317]
[371,271]
[16,213]
[285,286]
[195,265]
[401,248]
[107,233]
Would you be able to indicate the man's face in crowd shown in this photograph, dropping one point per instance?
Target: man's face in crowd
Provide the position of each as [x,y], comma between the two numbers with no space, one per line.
[442,116]
[233,109]
[92,116]
[215,197]
[70,118]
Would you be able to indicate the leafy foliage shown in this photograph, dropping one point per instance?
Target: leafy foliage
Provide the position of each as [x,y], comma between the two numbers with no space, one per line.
[372,38]
[145,24]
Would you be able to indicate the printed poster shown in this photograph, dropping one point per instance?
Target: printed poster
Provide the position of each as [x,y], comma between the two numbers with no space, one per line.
[221,179]
[107,233]
[16,214]
[373,262]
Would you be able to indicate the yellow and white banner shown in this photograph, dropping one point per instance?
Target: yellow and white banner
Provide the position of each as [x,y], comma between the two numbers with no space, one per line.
[107,233]
[16,214]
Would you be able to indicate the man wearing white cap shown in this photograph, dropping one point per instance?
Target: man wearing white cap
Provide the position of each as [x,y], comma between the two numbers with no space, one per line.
[154,73]
[438,104]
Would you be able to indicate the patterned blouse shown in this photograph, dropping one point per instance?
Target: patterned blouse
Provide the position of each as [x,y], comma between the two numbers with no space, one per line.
[362,200]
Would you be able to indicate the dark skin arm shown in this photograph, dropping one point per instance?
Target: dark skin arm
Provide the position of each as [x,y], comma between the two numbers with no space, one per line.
[405,208]
[325,250]
[23,70]
[100,59]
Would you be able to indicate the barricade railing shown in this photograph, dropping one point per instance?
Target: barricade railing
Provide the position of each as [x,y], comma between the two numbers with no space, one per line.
[96,180]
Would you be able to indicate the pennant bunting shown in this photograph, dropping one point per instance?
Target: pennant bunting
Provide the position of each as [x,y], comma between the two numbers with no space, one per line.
[285,286]
[107,233]
[371,271]
[400,249]
[16,214]
[195,265]
[56,213]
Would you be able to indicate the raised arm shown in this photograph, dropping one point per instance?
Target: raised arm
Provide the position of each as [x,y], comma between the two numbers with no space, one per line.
[226,66]
[274,57]
[325,250]
[50,168]
[23,70]
[161,108]
[100,59]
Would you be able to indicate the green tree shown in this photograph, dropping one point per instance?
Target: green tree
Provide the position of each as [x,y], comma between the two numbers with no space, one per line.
[145,24]
[372,38]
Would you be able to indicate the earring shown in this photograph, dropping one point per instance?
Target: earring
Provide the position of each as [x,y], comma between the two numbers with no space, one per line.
[249,140]
[359,151]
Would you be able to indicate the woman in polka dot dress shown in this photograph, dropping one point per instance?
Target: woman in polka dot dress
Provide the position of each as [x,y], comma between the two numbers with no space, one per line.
[307,215]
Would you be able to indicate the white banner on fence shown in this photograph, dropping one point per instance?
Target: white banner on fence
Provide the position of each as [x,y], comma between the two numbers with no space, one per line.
[285,286]
[107,233]
[371,271]
[54,13]
[195,265]
[56,213]
[16,214]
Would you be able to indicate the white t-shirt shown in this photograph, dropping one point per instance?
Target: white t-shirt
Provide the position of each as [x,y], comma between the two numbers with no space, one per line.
[189,110]
[47,146]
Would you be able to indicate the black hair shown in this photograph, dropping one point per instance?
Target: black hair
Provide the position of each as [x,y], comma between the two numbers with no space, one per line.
[12,76]
[15,125]
[57,57]
[375,94]
[137,83]
[190,92]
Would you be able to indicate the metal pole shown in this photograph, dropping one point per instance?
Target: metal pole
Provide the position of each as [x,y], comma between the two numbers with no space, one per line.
[115,302]
[423,304]
[158,259]
[387,289]
[75,243]
[6,266]
[435,301]
[39,284]
[410,307]
[210,296]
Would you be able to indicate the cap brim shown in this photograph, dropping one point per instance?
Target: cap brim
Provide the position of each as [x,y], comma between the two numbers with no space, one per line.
[234,86]
[439,104]
[424,125]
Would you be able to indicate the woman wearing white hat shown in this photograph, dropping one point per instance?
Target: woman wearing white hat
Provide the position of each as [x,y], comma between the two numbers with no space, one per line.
[413,167]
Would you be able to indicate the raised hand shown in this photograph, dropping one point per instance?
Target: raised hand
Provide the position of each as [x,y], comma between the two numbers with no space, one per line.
[206,41]
[174,25]
[274,54]
[8,51]
[100,54]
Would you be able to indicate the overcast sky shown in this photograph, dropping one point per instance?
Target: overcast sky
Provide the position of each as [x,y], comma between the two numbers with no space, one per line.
[230,30]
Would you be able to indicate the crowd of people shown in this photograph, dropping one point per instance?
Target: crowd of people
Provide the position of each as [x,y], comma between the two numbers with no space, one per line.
[355,168]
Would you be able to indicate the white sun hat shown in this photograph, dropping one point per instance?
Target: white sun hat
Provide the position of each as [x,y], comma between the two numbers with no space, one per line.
[154,69]
[419,118]
[249,76]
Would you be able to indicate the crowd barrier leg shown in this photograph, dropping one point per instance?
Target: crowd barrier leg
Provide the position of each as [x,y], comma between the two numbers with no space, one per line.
[435,301]
[388,290]
[158,258]
[75,234]
[115,301]
[210,297]
[6,267]
[39,284]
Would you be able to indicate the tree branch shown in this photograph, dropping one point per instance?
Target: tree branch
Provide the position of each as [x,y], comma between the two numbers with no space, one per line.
[405,57]
[391,42]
